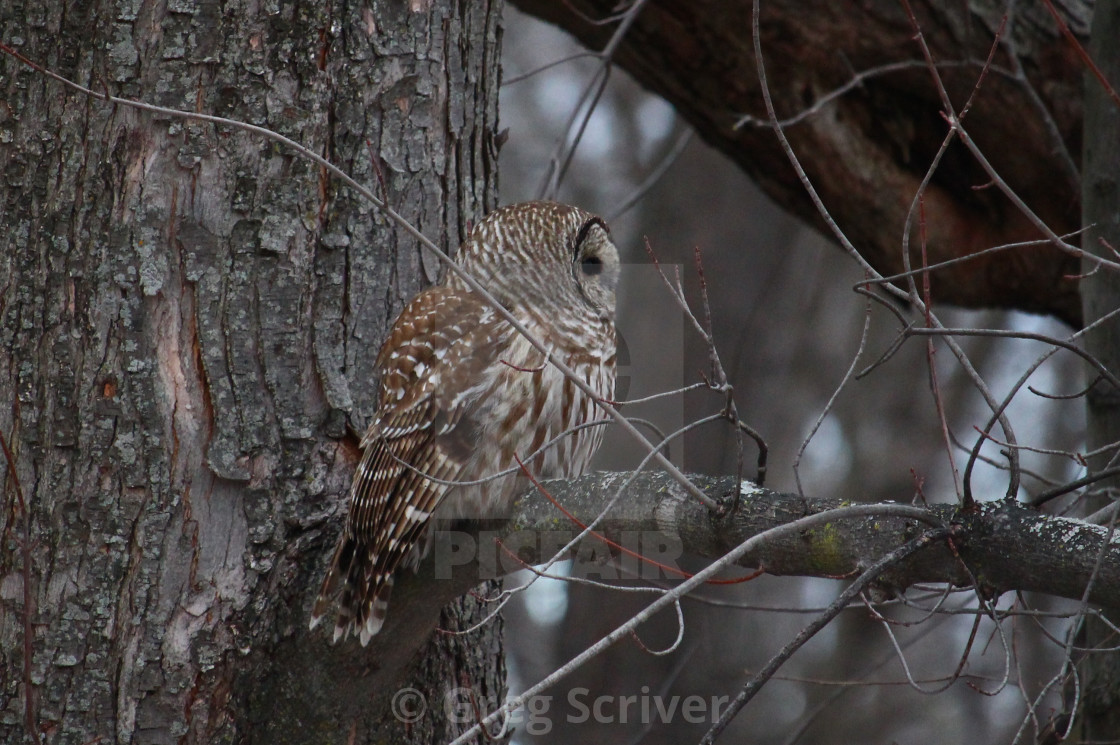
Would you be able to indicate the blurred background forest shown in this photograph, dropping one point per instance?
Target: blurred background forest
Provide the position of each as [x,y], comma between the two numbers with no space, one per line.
[787,325]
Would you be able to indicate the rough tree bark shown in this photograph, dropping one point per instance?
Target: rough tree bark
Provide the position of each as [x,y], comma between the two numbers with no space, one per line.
[867,151]
[189,316]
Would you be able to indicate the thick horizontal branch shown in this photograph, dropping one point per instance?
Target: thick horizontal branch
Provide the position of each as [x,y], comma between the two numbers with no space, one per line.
[1003,545]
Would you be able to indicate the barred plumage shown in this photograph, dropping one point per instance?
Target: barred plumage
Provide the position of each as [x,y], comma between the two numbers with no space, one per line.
[462,392]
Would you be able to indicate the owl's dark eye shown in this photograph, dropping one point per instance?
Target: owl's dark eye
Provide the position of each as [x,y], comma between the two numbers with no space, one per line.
[591,266]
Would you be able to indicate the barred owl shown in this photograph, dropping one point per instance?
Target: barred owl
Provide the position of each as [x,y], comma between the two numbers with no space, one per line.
[462,392]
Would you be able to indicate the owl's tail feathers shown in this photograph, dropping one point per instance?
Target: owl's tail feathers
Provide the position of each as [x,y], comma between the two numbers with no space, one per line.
[364,588]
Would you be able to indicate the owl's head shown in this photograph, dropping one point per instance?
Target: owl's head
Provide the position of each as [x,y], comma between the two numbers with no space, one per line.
[546,255]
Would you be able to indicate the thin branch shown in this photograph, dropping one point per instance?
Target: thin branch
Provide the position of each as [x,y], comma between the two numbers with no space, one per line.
[803,177]
[513,79]
[654,176]
[1057,142]
[559,160]
[1007,334]
[955,123]
[848,376]
[623,631]
[856,81]
[923,302]
[1079,253]
[1040,499]
[754,685]
[1086,58]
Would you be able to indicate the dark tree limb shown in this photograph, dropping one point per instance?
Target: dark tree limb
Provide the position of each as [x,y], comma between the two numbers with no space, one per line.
[867,149]
[1005,545]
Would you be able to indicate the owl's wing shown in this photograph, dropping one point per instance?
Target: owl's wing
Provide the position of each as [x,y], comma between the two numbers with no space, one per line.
[433,374]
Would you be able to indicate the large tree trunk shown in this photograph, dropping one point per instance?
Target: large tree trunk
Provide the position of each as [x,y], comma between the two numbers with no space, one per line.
[189,316]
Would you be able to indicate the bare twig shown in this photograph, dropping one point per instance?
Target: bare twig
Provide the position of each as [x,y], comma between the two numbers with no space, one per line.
[1079,253]
[1057,142]
[513,79]
[1051,494]
[654,176]
[1086,58]
[856,81]
[848,376]
[623,631]
[850,593]
[1105,373]
[559,161]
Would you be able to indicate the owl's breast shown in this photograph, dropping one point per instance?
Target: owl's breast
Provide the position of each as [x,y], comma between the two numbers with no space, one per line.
[533,413]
